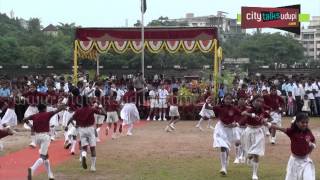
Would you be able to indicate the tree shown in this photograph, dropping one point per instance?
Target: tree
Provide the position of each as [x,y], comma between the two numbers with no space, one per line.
[34,25]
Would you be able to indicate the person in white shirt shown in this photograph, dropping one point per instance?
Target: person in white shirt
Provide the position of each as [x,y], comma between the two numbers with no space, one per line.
[162,105]
[153,94]
[89,90]
[297,93]
[317,95]
[311,90]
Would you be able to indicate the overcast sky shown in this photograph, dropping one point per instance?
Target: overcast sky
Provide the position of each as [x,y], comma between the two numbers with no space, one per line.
[114,13]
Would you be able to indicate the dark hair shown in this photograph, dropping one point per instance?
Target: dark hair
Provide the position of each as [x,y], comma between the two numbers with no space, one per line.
[97,93]
[84,101]
[130,87]
[299,117]
[227,94]
[41,107]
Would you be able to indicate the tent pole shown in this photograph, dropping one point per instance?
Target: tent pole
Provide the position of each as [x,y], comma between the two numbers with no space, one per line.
[216,69]
[75,63]
[142,40]
[98,65]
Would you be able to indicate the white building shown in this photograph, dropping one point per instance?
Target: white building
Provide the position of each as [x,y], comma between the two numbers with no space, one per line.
[50,30]
[310,39]
[220,20]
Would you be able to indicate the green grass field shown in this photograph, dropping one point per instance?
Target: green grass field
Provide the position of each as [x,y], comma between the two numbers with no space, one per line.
[152,154]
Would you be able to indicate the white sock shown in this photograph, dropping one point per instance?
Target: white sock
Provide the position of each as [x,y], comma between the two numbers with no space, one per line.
[35,166]
[33,139]
[93,161]
[223,160]
[238,149]
[83,154]
[47,166]
[74,143]
[130,127]
[159,115]
[255,166]
[164,115]
[98,130]
[52,131]
[66,137]
[199,123]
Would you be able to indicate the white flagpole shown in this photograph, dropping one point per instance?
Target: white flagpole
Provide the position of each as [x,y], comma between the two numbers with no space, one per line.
[142,38]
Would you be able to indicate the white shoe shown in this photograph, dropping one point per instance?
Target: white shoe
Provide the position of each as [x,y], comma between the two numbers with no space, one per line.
[129,134]
[164,119]
[53,139]
[148,119]
[172,127]
[33,145]
[223,172]
[98,140]
[154,118]
[255,177]
[159,119]
[242,160]
[200,128]
[51,177]
[198,125]
[114,136]
[93,169]
[236,161]
[273,140]
[167,129]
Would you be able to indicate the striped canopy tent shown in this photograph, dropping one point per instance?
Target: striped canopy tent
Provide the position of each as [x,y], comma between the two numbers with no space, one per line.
[89,42]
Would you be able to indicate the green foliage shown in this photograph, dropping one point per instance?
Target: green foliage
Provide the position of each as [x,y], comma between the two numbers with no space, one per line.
[23,42]
[30,46]
[265,49]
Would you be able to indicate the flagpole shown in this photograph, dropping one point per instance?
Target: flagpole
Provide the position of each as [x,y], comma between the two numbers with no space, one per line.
[142,39]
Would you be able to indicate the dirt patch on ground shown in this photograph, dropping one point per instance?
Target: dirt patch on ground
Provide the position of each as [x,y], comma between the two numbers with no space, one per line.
[186,153]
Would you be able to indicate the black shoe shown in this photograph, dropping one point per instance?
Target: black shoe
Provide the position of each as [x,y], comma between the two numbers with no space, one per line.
[29,174]
[84,163]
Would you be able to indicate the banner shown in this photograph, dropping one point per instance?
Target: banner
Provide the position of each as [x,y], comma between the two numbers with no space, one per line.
[284,18]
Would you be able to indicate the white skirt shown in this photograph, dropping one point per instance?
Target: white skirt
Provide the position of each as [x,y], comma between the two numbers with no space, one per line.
[238,131]
[54,120]
[253,141]
[174,111]
[300,169]
[129,113]
[208,113]
[72,131]
[223,136]
[66,116]
[276,118]
[31,110]
[10,118]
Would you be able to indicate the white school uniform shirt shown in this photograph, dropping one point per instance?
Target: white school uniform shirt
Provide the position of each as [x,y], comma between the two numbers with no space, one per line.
[163,93]
[89,92]
[57,85]
[296,90]
[152,94]
[309,88]
[318,85]
[120,94]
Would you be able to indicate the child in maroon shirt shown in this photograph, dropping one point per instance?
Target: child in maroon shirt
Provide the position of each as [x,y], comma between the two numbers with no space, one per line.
[112,107]
[300,166]
[41,127]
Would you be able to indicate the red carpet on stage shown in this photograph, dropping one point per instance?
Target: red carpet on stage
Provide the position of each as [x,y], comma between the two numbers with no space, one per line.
[14,165]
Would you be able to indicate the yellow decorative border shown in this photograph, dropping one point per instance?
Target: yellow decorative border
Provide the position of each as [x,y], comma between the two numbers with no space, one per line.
[95,47]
